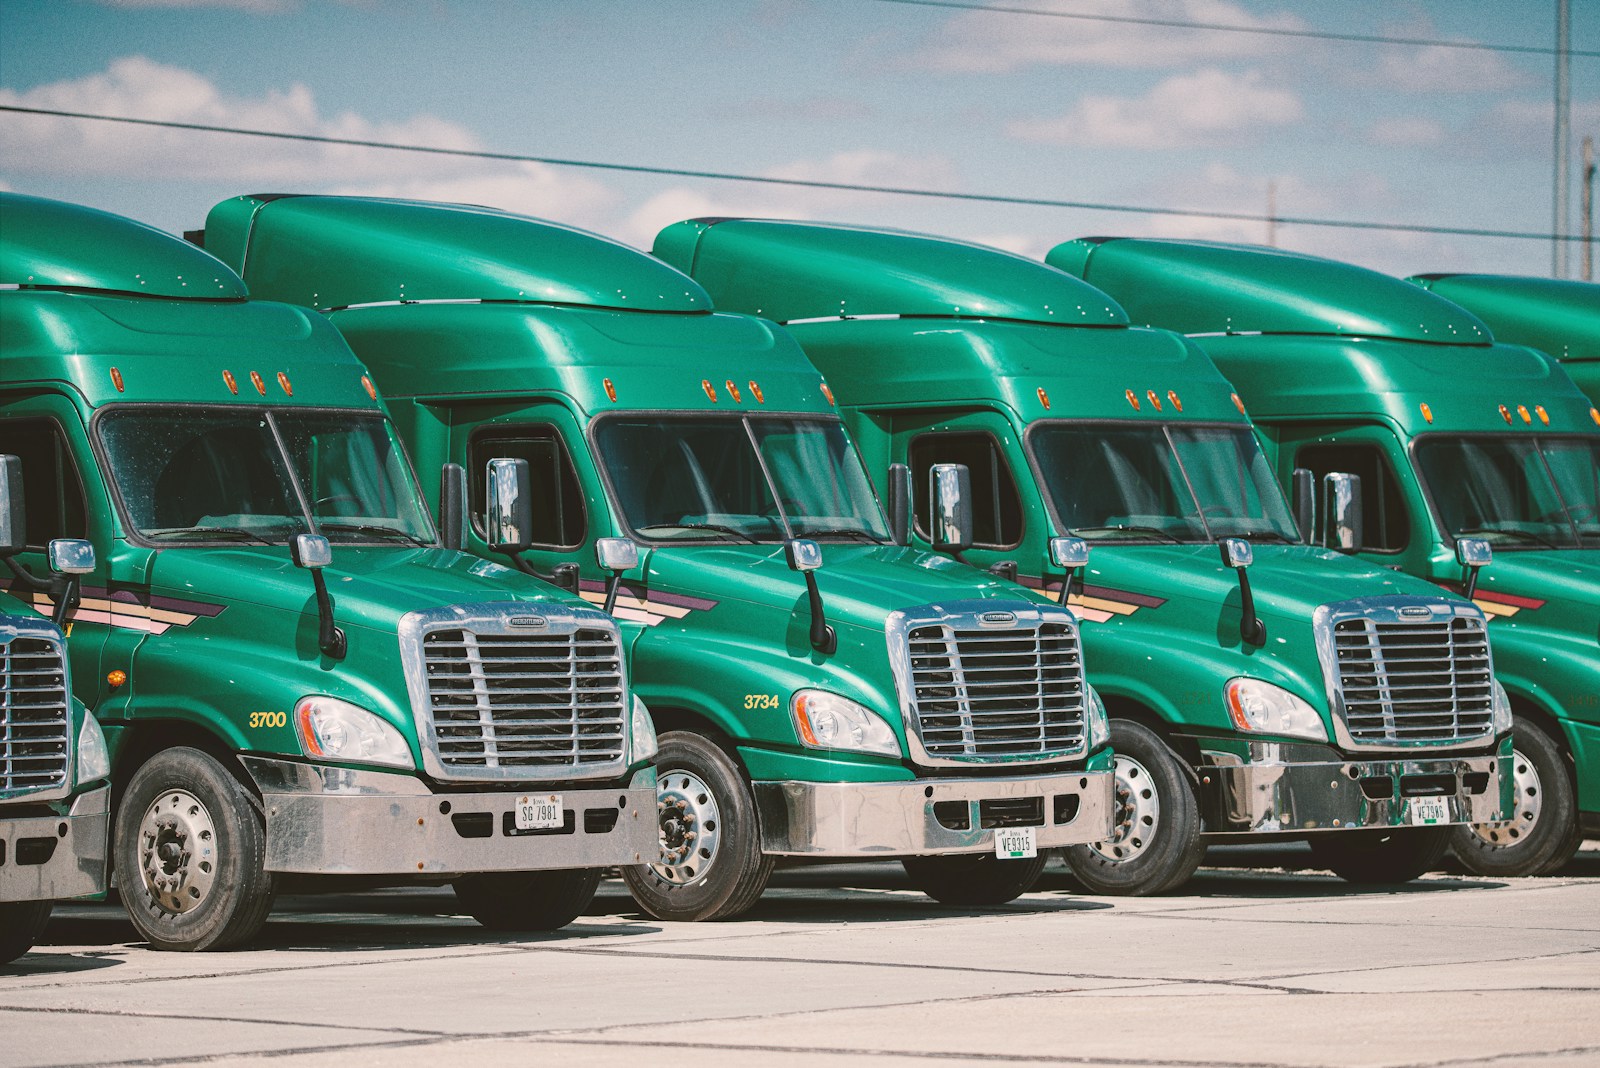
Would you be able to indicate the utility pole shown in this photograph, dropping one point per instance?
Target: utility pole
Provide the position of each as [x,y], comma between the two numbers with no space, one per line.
[1588,209]
[1272,213]
[1563,146]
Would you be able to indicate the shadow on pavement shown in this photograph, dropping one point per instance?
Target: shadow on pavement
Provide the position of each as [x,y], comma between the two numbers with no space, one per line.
[39,961]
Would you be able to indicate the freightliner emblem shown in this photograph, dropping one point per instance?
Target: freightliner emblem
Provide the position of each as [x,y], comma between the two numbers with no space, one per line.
[998,619]
[527,621]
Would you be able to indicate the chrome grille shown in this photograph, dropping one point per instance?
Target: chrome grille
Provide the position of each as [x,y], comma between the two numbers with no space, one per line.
[535,706]
[1403,682]
[35,721]
[996,694]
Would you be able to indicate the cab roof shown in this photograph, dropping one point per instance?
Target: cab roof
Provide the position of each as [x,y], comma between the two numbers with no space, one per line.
[791,271]
[50,244]
[1198,287]
[1559,316]
[334,252]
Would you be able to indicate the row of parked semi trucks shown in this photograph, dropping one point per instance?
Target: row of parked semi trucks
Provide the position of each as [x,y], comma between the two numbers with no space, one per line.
[821,499]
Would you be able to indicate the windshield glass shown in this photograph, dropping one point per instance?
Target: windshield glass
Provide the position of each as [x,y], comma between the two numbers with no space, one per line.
[729,478]
[1160,483]
[210,475]
[1517,491]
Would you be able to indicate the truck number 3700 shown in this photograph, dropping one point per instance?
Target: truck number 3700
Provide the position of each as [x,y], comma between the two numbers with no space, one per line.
[269,719]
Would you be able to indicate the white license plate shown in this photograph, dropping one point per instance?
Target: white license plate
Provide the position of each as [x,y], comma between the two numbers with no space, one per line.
[1429,810]
[539,813]
[1016,843]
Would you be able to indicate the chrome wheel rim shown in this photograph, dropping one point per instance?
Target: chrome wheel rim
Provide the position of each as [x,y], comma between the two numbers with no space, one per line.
[1136,812]
[1527,796]
[177,852]
[691,828]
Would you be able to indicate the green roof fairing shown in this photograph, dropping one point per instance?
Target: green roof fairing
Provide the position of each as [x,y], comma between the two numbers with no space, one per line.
[1558,316]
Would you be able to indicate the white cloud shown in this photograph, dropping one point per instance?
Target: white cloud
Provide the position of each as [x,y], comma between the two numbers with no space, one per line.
[1207,107]
[1406,131]
[980,41]
[1431,69]
[1529,124]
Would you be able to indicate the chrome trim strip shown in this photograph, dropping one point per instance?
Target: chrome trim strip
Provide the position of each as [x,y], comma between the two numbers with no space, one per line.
[1028,618]
[495,619]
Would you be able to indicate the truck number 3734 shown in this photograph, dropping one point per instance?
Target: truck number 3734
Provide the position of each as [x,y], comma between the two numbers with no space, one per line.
[269,719]
[760,700]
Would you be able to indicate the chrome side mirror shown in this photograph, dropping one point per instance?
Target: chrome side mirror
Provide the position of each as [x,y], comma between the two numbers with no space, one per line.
[508,521]
[1069,553]
[71,556]
[1341,510]
[1303,485]
[899,504]
[310,551]
[950,501]
[804,554]
[616,554]
[13,517]
[1237,552]
[1473,554]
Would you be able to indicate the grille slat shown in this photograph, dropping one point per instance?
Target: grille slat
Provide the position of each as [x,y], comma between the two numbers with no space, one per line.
[538,703]
[980,694]
[35,722]
[1414,682]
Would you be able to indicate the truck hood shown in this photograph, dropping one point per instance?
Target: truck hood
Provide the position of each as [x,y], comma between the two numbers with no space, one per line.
[1558,589]
[371,586]
[860,584]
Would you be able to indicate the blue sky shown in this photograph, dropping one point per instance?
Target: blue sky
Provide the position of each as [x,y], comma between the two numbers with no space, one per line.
[850,90]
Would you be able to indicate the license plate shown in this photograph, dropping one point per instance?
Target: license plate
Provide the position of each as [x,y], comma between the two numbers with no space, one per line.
[539,813]
[1016,843]
[1429,810]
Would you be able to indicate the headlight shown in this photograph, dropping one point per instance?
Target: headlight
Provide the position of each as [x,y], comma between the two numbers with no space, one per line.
[645,746]
[1264,708]
[339,730]
[1099,722]
[1502,710]
[828,721]
[94,759]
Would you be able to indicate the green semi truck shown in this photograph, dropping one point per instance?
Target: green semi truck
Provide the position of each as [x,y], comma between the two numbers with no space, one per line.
[1454,438]
[299,686]
[1553,315]
[54,797]
[1256,685]
[890,704]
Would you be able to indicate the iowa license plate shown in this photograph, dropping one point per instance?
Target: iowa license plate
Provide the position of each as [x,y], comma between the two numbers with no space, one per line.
[1016,843]
[1429,810]
[539,812]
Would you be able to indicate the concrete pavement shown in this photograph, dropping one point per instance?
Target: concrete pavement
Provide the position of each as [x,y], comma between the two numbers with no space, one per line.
[847,965]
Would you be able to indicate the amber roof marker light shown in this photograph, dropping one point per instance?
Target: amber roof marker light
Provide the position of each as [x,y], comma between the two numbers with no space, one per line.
[711,391]
[1133,398]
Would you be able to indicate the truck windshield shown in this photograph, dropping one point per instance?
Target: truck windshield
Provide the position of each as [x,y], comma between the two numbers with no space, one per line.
[206,475]
[1160,483]
[1519,491]
[732,478]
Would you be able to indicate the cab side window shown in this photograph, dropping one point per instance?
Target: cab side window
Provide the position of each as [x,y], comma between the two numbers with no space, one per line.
[1386,527]
[558,520]
[51,490]
[996,506]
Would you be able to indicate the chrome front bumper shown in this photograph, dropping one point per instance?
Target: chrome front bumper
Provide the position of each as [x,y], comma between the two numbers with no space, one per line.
[52,858]
[929,816]
[1285,788]
[339,821]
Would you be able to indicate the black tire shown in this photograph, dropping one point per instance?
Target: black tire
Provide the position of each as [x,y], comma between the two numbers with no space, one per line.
[696,771]
[21,924]
[1545,833]
[202,815]
[974,879]
[1384,856]
[1156,847]
[527,901]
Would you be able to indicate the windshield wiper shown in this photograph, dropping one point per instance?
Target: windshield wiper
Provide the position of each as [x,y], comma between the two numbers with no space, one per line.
[855,532]
[372,528]
[1529,535]
[1252,534]
[719,528]
[1131,528]
[207,534]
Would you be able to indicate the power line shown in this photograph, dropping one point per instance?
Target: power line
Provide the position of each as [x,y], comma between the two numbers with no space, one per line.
[1269,31]
[804,183]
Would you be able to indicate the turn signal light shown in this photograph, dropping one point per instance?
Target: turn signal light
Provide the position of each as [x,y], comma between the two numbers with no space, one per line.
[1427,412]
[611,391]
[1133,398]
[116,379]
[1044,398]
[231,382]
[116,678]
